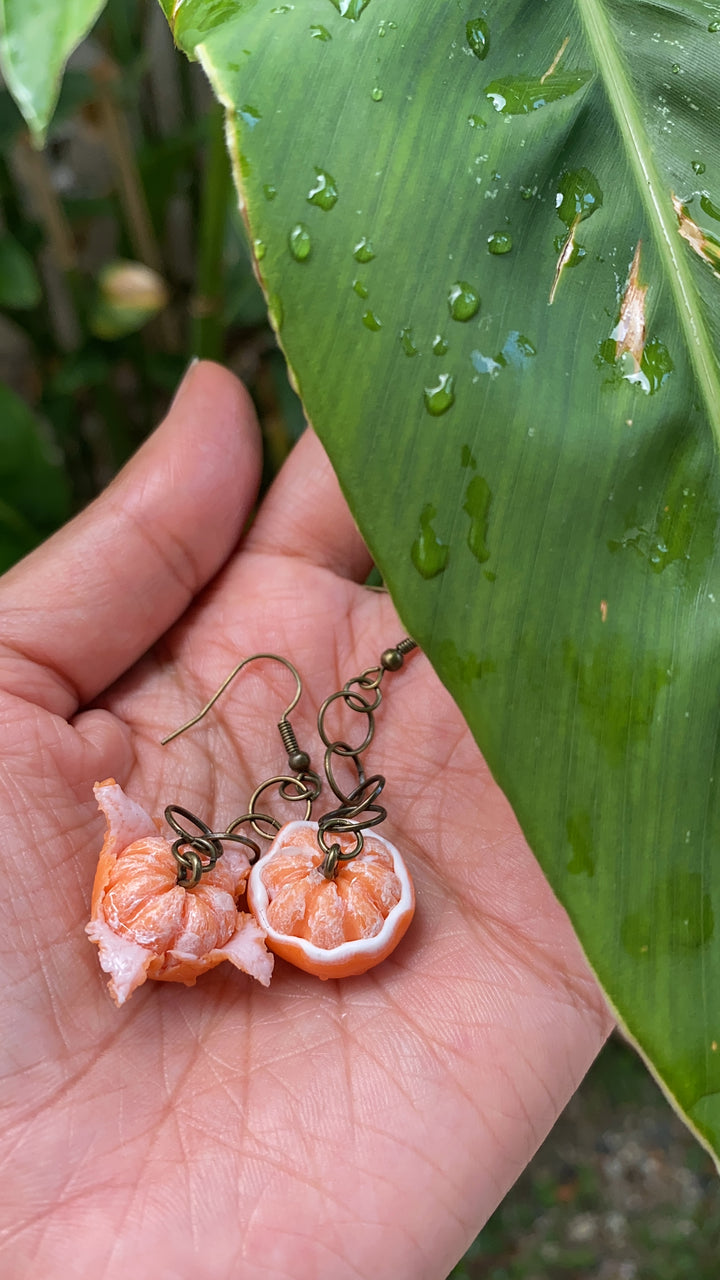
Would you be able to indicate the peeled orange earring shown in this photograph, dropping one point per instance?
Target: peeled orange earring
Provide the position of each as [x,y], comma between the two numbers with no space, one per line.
[331,897]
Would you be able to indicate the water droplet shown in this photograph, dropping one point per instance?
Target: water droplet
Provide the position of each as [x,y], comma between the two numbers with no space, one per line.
[299,242]
[385,26]
[319,32]
[519,95]
[576,254]
[527,193]
[259,248]
[476,122]
[486,364]
[467,458]
[360,288]
[283,8]
[363,251]
[371,321]
[698,166]
[269,191]
[350,8]
[250,115]
[578,195]
[675,68]
[477,505]
[428,553]
[477,33]
[714,25]
[499,242]
[463,301]
[707,206]
[518,349]
[440,345]
[377,95]
[441,397]
[407,343]
[324,193]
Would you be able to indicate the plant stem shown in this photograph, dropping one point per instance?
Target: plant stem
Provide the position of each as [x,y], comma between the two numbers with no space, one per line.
[207,307]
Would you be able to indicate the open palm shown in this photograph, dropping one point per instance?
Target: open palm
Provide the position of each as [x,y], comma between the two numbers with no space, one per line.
[311,1130]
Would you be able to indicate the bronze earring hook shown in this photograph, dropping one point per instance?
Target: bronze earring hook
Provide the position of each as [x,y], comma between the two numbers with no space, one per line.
[274,657]
[198,851]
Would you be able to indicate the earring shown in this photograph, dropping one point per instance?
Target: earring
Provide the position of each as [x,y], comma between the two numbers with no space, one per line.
[327,897]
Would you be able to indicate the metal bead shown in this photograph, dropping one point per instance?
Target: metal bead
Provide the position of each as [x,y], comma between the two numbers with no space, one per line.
[391,660]
[299,761]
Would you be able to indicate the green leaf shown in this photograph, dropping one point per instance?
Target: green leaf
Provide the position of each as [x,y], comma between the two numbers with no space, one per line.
[537,476]
[19,284]
[34,491]
[36,40]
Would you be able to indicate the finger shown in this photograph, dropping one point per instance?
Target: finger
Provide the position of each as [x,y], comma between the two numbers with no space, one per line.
[304,514]
[82,608]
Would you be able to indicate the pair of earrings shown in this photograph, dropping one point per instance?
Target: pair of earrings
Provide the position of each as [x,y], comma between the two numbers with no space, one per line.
[332,897]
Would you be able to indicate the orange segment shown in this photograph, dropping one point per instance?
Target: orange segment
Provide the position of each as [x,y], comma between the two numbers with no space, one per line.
[332,928]
[146,925]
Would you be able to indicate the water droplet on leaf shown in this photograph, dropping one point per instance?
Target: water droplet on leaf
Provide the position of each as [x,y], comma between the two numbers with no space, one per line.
[363,251]
[377,95]
[360,289]
[299,242]
[250,115]
[407,343]
[578,195]
[698,166]
[350,8]
[259,248]
[477,505]
[476,122]
[441,397]
[269,191]
[499,242]
[463,301]
[519,95]
[324,193]
[477,33]
[440,345]
[320,33]
[371,321]
[428,553]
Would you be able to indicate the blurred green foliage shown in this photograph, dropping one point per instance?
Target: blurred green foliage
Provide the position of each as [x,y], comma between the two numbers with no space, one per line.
[134,169]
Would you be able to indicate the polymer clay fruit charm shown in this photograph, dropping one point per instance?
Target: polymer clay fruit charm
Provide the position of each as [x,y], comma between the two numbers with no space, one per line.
[336,925]
[147,925]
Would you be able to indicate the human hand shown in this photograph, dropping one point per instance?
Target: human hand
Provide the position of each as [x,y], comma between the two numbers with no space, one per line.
[319,1131]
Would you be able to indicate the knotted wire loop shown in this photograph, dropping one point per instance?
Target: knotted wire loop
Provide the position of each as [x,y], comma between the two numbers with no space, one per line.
[196,852]
[358,809]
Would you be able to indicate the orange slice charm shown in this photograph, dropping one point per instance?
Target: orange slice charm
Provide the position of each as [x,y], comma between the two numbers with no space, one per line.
[331,928]
[146,925]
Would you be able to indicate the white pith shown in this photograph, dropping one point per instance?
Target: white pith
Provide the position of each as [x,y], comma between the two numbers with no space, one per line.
[259,900]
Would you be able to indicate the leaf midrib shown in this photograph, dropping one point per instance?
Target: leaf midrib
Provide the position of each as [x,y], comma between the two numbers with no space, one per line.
[657,204]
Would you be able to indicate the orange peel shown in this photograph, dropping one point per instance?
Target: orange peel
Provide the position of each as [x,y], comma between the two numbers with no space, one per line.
[146,925]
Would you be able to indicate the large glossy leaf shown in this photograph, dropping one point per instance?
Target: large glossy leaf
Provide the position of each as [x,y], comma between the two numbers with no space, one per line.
[487,233]
[36,40]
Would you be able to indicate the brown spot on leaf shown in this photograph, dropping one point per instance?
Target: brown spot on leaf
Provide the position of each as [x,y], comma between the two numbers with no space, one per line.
[704,245]
[629,332]
[566,254]
[554,64]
